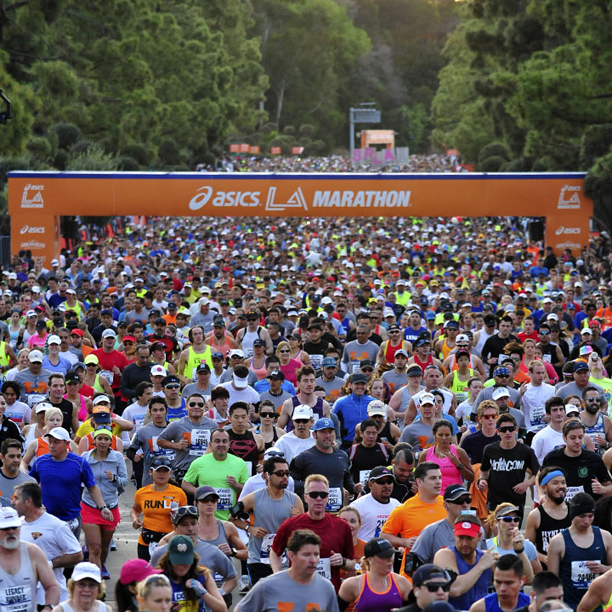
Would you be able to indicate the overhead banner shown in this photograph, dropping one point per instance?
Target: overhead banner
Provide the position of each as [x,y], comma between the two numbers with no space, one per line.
[37,197]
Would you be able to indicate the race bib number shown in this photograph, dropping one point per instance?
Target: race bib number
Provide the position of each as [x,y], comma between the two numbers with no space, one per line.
[199,442]
[266,547]
[537,415]
[35,398]
[363,476]
[108,375]
[248,353]
[381,519]
[571,492]
[324,568]
[16,598]
[152,547]
[582,576]
[226,498]
[355,369]
[316,361]
[547,358]
[334,501]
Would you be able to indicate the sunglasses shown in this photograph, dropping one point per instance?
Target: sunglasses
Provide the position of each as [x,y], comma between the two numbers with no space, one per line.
[461,501]
[267,415]
[173,386]
[384,481]
[92,365]
[489,417]
[434,586]
[284,351]
[318,494]
[274,453]
[511,519]
[507,429]
[301,421]
[281,473]
[194,404]
[367,369]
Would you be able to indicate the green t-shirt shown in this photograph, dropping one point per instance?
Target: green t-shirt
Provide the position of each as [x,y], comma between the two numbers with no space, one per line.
[206,470]
[606,385]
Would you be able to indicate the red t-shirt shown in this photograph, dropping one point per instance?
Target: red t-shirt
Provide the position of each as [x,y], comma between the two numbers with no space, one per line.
[108,361]
[335,537]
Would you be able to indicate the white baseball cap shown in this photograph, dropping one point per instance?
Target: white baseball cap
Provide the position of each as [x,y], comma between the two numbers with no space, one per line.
[54,340]
[9,518]
[158,370]
[302,411]
[35,356]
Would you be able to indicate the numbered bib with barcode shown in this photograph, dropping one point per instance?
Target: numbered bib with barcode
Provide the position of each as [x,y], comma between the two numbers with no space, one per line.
[199,442]
[363,476]
[108,375]
[582,576]
[225,498]
[572,491]
[35,398]
[334,501]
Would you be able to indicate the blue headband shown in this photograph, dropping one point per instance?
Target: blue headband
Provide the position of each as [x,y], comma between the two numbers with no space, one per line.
[550,476]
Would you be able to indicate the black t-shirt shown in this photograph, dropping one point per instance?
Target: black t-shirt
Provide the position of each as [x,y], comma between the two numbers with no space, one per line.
[9,431]
[66,406]
[508,468]
[244,446]
[474,445]
[580,470]
[364,459]
[494,346]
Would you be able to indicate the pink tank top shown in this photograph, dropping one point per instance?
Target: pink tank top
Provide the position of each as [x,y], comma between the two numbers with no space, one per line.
[82,410]
[261,373]
[450,473]
[290,370]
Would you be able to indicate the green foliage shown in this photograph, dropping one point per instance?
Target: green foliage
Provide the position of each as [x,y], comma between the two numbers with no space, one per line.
[67,134]
[497,149]
[92,158]
[598,186]
[493,163]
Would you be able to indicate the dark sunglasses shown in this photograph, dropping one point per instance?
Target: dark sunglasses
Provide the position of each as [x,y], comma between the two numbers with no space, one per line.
[384,481]
[318,494]
[461,501]
[507,429]
[489,417]
[511,519]
[367,369]
[267,415]
[194,404]
[281,473]
[304,421]
[434,586]
[172,387]
[284,351]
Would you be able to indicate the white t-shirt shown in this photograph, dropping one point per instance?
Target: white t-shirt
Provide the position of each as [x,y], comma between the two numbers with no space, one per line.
[546,440]
[248,394]
[136,414]
[291,445]
[464,409]
[373,515]
[254,483]
[54,538]
[532,405]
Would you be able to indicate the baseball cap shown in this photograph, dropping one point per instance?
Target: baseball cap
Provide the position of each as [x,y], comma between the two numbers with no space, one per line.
[240,383]
[303,411]
[273,451]
[178,513]
[259,342]
[161,462]
[158,370]
[594,323]
[466,528]
[366,363]
[586,330]
[500,392]
[43,407]
[9,518]
[171,380]
[59,433]
[578,365]
[329,362]
[501,371]
[106,311]
[109,333]
[85,569]
[102,417]
[40,325]
[136,570]
[358,378]
[180,550]
[203,367]
[276,375]
[505,511]
[379,547]
[376,407]
[53,339]
[401,352]
[72,377]
[204,491]
[455,492]
[380,472]
[429,571]
[323,424]
[92,359]
[218,321]
[217,355]
[414,370]
[77,332]
[569,409]
[462,338]
[35,357]
[236,353]
[427,398]
[156,346]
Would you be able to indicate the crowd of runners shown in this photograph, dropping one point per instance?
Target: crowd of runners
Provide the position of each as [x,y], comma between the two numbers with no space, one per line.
[315,413]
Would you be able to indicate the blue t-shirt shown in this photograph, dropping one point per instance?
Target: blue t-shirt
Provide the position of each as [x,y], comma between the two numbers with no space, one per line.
[174,414]
[178,595]
[61,482]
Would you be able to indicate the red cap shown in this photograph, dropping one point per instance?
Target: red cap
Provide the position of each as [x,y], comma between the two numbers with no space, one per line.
[594,323]
[76,332]
[128,337]
[467,528]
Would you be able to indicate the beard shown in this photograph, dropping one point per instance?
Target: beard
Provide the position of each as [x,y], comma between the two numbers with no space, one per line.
[10,542]
[557,500]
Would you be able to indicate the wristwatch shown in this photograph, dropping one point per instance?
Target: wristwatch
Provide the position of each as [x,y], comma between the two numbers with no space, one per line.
[103,508]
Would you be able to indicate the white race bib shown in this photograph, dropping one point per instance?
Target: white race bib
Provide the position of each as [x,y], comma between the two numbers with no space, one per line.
[582,576]
[108,375]
[316,361]
[334,501]
[324,568]
[16,598]
[266,546]
[363,476]
[249,465]
[35,398]
[152,547]
[571,491]
[226,498]
[199,442]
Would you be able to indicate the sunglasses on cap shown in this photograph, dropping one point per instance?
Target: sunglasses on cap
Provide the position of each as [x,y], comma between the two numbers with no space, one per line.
[274,453]
[185,511]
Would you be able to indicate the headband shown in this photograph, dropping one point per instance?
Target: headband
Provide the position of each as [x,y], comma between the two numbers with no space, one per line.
[550,476]
[579,509]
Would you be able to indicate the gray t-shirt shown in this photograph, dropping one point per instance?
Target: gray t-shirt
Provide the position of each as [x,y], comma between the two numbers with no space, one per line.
[395,380]
[145,441]
[193,388]
[332,388]
[277,400]
[210,556]
[269,594]
[198,436]
[355,352]
[573,389]
[419,435]
[436,536]
[7,485]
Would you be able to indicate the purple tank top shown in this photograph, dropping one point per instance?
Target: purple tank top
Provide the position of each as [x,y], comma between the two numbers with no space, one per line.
[371,601]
